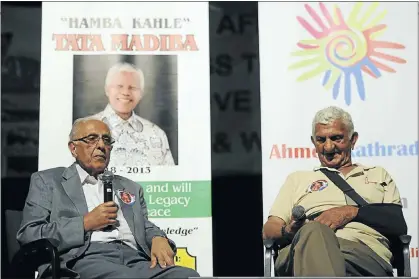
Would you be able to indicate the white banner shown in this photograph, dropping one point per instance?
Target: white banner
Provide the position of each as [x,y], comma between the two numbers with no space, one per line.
[167,146]
[362,57]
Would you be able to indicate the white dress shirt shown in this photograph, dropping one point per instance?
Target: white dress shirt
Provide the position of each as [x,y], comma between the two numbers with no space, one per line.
[138,142]
[93,192]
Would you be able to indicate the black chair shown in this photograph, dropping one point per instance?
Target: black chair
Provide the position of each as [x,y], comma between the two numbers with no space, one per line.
[27,258]
[23,262]
[399,246]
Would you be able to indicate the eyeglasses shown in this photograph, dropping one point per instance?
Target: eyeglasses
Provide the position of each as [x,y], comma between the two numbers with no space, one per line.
[94,138]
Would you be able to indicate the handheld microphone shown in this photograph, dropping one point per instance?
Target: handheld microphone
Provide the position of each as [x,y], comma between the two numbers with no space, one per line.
[299,213]
[107,179]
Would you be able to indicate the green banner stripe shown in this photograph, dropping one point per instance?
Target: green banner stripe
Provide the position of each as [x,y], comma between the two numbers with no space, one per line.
[177,199]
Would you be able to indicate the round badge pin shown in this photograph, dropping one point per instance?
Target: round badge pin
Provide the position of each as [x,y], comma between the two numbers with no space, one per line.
[126,197]
[317,186]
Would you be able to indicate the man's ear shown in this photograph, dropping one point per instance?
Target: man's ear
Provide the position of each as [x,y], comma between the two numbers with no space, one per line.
[73,149]
[354,139]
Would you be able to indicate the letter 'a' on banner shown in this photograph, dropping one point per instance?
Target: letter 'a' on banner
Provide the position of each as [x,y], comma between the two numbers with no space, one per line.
[357,56]
[142,68]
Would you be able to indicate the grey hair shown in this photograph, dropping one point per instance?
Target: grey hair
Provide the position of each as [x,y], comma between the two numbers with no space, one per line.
[76,125]
[331,114]
[125,67]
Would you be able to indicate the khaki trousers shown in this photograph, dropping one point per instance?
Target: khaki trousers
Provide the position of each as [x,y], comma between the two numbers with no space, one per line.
[316,251]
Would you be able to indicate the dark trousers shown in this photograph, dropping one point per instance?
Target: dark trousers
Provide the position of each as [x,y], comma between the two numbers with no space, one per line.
[316,251]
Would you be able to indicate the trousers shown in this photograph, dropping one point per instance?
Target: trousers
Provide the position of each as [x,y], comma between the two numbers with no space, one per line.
[117,260]
[316,251]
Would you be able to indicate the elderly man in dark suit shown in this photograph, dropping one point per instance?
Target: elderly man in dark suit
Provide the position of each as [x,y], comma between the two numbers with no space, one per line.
[66,204]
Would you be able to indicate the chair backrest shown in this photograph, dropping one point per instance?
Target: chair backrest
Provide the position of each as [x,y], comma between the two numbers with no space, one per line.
[396,248]
[13,220]
[14,191]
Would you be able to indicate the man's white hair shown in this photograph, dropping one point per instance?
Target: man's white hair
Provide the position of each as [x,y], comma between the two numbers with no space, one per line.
[76,126]
[125,67]
[330,114]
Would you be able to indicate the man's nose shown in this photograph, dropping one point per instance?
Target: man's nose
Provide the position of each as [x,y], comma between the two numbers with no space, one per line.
[125,91]
[101,144]
[329,146]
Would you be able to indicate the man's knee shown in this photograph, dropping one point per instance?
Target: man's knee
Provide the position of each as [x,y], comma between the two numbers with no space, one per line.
[193,273]
[190,272]
[183,272]
[314,228]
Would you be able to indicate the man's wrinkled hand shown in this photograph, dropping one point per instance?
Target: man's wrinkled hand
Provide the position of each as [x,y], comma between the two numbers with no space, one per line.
[293,227]
[101,216]
[161,252]
[337,217]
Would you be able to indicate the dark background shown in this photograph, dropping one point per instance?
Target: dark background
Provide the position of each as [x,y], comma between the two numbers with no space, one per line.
[159,104]
[235,126]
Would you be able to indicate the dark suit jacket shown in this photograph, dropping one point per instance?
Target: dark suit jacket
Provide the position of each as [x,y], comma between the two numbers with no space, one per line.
[55,207]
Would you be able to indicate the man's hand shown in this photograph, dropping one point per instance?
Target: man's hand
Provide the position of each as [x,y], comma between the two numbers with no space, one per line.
[101,216]
[293,227]
[161,252]
[272,228]
[337,217]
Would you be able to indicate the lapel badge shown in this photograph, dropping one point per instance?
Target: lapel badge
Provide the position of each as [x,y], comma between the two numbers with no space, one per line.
[126,197]
[317,186]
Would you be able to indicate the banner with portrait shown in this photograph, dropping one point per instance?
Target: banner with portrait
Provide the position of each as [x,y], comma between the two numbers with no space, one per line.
[358,56]
[143,68]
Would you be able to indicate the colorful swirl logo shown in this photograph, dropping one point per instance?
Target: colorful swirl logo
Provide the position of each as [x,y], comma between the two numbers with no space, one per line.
[344,50]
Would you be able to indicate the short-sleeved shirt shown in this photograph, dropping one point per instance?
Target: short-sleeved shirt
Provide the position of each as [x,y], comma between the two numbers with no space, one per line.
[316,193]
[139,142]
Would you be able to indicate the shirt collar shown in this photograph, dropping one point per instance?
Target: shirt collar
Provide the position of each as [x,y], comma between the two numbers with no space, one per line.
[85,176]
[358,168]
[321,167]
[114,119]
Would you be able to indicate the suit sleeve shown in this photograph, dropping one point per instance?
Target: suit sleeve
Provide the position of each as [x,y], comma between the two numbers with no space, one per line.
[68,232]
[151,230]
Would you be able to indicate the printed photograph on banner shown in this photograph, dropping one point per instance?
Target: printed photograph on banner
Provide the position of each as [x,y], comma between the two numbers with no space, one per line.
[136,95]
[143,69]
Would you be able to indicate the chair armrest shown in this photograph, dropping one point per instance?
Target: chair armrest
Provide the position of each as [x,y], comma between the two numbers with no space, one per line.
[271,250]
[31,255]
[268,243]
[405,240]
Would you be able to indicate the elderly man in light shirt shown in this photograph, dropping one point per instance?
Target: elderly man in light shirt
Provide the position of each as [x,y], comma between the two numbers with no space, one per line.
[139,142]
